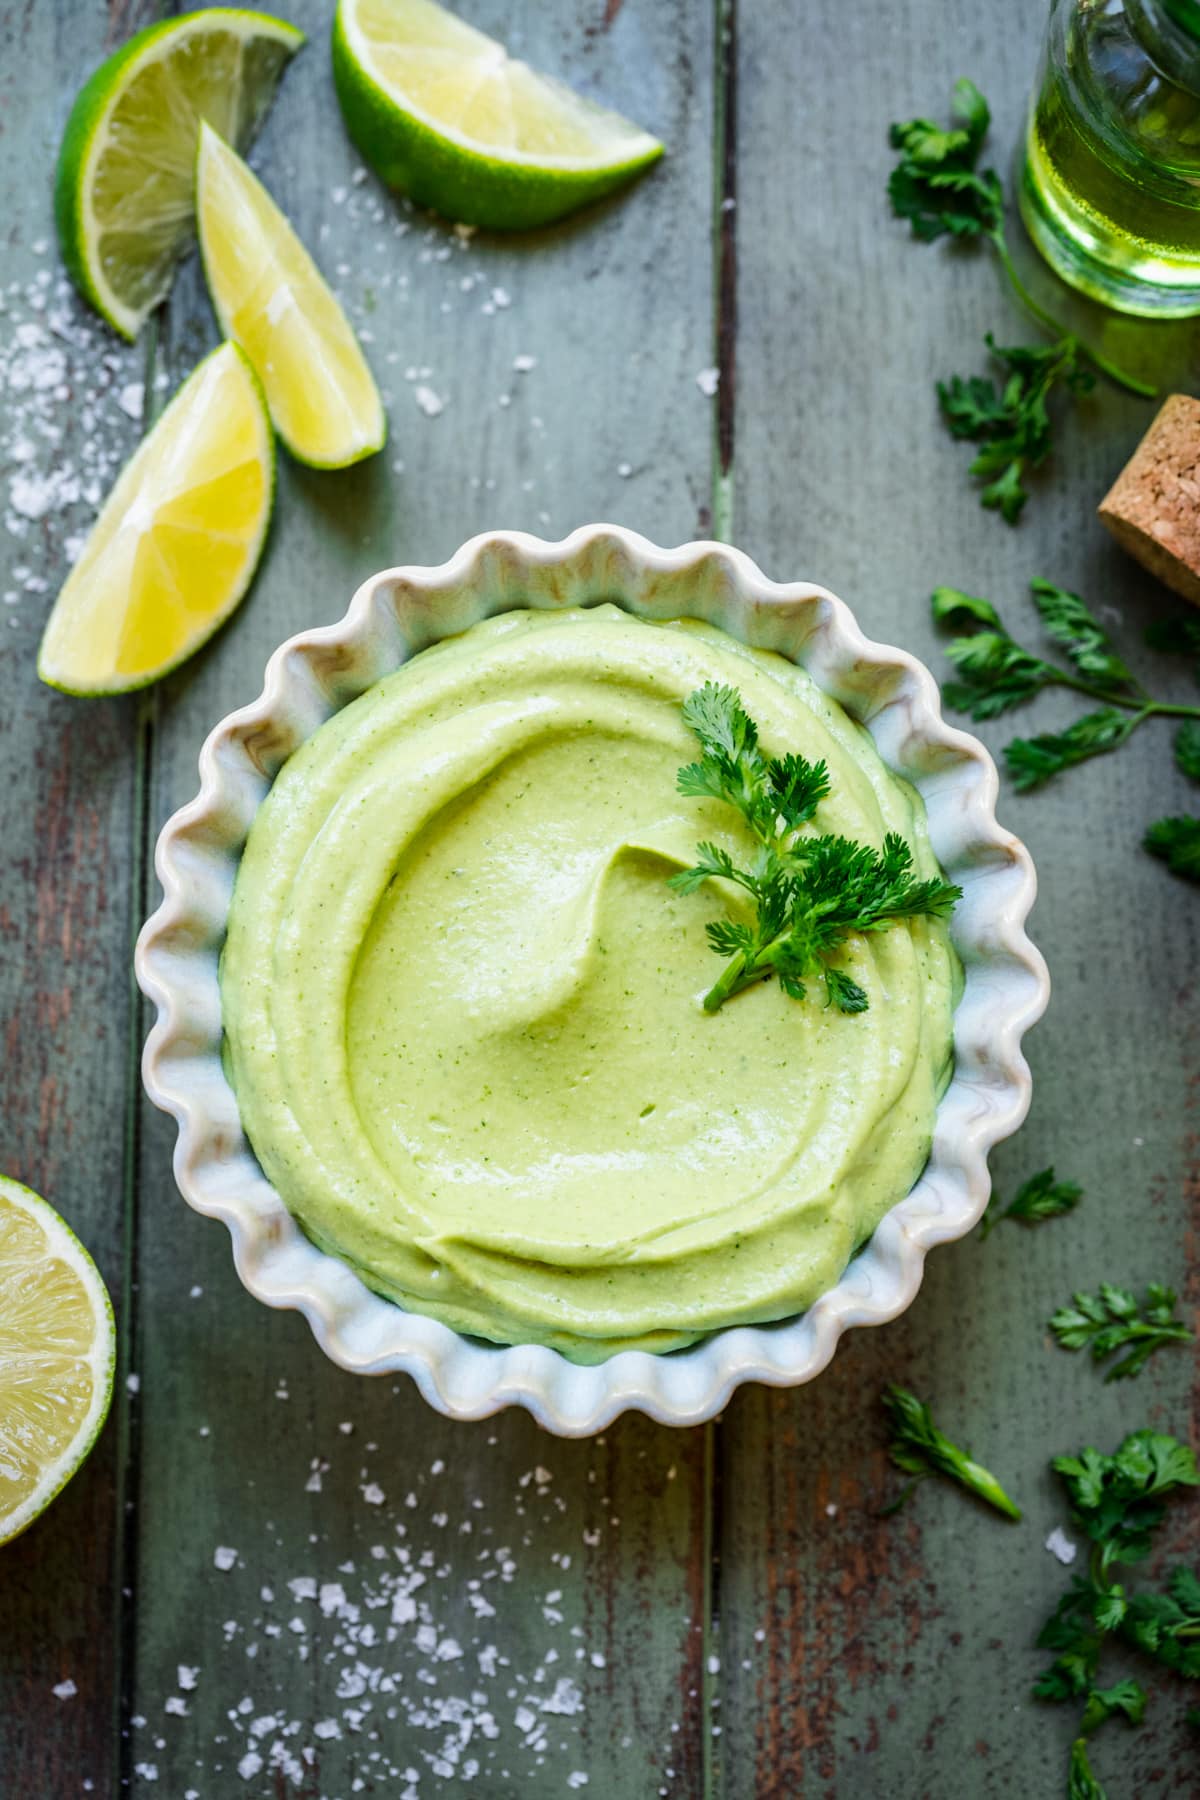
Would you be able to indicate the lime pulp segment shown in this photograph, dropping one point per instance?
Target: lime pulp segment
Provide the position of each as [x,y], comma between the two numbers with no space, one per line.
[177,542]
[270,298]
[445,114]
[124,187]
[57,1353]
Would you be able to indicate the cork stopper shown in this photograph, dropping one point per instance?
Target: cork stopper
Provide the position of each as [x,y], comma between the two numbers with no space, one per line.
[1153,507]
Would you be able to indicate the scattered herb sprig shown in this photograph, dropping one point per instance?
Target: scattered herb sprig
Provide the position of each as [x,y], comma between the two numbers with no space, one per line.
[995,674]
[1111,1320]
[1036,1200]
[920,1449]
[809,891]
[1117,1502]
[938,187]
[1012,423]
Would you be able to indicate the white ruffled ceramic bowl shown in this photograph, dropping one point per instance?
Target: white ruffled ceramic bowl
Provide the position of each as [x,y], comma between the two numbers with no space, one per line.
[310,677]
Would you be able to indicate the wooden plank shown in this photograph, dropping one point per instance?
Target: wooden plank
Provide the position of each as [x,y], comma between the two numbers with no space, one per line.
[863,1655]
[67,799]
[579,1563]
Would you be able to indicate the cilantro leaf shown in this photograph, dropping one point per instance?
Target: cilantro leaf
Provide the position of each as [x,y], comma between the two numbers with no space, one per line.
[920,1449]
[935,185]
[1038,1199]
[1118,1502]
[809,891]
[1177,842]
[1175,637]
[1071,1630]
[1125,1699]
[1070,623]
[1167,1626]
[995,674]
[938,187]
[1031,761]
[951,607]
[1111,1320]
[1012,422]
[1187,749]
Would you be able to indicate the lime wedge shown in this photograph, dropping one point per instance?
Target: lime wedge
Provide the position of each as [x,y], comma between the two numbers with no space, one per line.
[124,188]
[444,113]
[270,298]
[177,542]
[57,1352]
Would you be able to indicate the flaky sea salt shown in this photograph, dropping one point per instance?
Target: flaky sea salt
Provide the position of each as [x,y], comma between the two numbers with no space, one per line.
[1060,1545]
[224,1557]
[64,1690]
[708,380]
[430,403]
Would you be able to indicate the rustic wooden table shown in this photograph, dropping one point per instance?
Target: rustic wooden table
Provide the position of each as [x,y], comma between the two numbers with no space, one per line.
[410,1604]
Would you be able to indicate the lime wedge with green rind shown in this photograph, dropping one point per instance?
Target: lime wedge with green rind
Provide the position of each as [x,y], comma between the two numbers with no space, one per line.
[271,299]
[177,542]
[123,197]
[57,1355]
[443,113]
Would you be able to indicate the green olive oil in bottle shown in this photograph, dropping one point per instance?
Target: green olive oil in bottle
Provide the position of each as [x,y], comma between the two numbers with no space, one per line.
[1110,187]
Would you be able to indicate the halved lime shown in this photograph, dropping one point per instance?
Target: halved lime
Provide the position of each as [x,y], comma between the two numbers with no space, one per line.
[123,195]
[270,298]
[57,1353]
[177,542]
[445,114]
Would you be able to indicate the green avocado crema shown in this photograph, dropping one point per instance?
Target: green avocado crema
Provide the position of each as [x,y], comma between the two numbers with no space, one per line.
[463,1008]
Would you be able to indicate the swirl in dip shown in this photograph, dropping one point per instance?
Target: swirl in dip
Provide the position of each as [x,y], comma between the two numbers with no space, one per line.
[463,1008]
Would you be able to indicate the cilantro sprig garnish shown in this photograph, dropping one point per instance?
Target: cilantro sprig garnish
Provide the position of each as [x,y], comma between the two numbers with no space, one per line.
[938,186]
[1111,1320]
[809,892]
[920,1449]
[1036,1200]
[1117,1502]
[995,674]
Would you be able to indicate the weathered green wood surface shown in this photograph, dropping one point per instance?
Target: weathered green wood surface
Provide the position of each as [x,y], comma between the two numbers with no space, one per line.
[413,1605]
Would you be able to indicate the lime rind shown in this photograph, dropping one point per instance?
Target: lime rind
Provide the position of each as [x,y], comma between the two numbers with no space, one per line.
[63,1245]
[54,669]
[463,178]
[365,436]
[87,133]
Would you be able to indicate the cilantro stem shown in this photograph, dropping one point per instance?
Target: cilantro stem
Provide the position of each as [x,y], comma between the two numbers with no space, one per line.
[1145,389]
[919,1448]
[732,979]
[981,1481]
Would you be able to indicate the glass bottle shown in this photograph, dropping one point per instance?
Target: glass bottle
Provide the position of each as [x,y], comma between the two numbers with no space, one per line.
[1110,184]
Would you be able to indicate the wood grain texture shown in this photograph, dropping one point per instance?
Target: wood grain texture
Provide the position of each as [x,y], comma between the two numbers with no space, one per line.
[68,776]
[872,1656]
[586,1559]
[330,1590]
